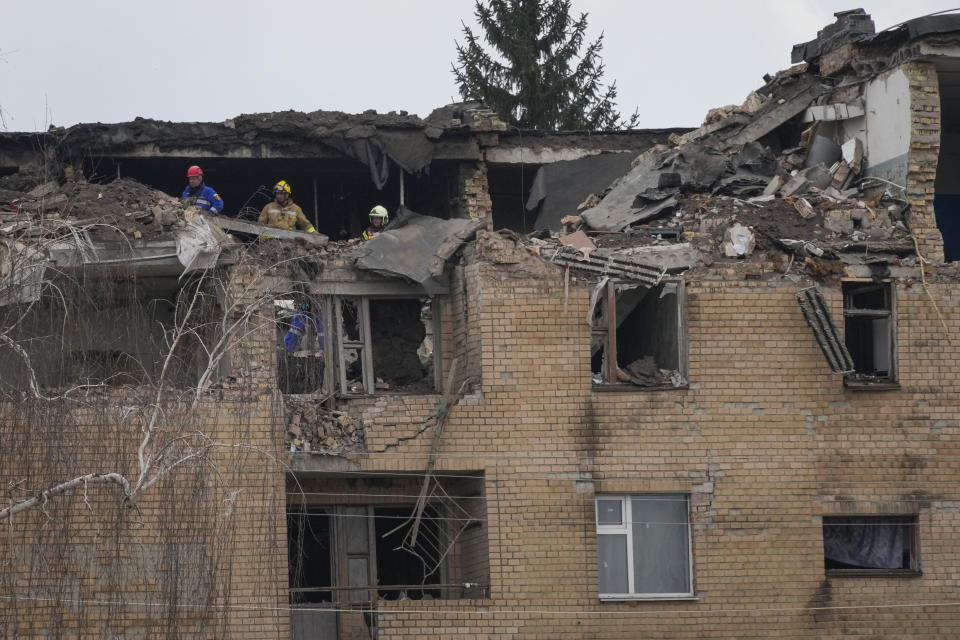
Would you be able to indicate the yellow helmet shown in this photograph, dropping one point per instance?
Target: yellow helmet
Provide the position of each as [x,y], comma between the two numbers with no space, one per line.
[379,211]
[283,185]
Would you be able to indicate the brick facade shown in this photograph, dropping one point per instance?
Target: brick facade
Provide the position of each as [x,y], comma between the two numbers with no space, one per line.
[924,155]
[765,441]
[473,192]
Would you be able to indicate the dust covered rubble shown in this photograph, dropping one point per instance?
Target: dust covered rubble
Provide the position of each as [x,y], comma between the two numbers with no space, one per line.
[312,428]
[754,202]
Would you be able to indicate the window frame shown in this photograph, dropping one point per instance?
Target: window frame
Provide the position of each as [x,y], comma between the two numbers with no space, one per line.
[860,379]
[608,298]
[913,522]
[364,344]
[624,528]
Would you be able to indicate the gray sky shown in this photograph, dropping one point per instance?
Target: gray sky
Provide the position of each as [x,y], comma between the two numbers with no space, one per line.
[64,62]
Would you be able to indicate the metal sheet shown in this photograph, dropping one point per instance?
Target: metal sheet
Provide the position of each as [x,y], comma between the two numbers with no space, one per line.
[815,312]
[416,247]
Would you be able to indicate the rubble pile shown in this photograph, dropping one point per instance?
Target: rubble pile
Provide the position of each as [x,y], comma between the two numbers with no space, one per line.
[312,428]
[30,206]
[765,182]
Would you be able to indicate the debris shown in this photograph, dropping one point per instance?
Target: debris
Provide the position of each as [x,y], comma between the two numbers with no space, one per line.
[415,247]
[852,152]
[571,223]
[313,428]
[773,186]
[823,151]
[578,240]
[739,241]
[591,201]
[22,271]
[44,189]
[817,315]
[804,208]
[802,248]
[199,244]
[798,184]
[561,187]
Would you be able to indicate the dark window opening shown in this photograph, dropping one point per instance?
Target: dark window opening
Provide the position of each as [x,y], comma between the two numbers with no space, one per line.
[946,203]
[311,570]
[870,543]
[869,330]
[402,337]
[335,194]
[400,569]
[648,339]
[509,186]
[385,344]
[349,555]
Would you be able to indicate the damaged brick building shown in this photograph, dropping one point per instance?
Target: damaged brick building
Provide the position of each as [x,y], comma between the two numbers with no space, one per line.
[657,383]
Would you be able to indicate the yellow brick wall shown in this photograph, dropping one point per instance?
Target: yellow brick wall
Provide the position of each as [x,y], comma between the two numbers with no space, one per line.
[765,441]
[202,554]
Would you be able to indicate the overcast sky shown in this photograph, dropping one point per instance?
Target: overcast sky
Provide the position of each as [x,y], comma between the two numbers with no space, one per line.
[63,62]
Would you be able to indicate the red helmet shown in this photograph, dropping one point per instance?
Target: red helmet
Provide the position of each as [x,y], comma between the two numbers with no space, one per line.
[194,172]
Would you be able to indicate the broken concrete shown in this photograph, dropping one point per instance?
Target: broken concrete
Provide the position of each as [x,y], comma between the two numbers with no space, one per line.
[415,247]
[738,241]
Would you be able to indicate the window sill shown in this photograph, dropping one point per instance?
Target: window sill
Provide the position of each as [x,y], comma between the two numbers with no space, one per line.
[387,392]
[874,573]
[650,598]
[871,385]
[458,602]
[628,388]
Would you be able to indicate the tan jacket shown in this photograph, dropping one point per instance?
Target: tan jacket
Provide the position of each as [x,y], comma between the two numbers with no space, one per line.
[289,217]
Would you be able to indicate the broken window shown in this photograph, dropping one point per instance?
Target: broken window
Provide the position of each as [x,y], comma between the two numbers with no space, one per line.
[109,330]
[870,544]
[643,546]
[310,560]
[869,331]
[649,336]
[345,557]
[386,344]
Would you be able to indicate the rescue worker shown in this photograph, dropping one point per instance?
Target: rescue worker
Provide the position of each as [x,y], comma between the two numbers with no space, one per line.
[378,220]
[298,327]
[282,213]
[197,192]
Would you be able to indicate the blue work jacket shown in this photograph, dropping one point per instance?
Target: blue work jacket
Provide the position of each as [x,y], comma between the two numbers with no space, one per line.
[207,198]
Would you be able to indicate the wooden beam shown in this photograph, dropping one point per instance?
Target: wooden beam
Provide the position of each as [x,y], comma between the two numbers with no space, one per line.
[241,226]
[611,347]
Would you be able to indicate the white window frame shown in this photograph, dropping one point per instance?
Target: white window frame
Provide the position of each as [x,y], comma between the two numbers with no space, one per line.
[624,528]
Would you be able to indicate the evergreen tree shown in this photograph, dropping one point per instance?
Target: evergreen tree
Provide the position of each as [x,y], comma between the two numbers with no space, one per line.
[535,75]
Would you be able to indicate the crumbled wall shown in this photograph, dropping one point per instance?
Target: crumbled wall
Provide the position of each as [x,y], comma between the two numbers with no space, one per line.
[924,156]
[473,192]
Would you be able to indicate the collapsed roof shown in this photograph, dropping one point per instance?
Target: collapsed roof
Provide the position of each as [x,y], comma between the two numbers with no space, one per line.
[775,174]
[789,171]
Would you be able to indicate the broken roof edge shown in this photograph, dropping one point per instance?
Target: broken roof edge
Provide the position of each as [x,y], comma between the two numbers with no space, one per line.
[482,119]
